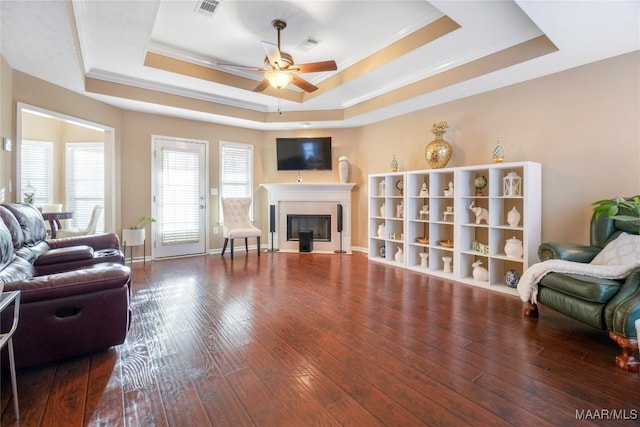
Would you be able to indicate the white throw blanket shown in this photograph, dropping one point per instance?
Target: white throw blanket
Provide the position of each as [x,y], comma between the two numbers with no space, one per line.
[528,284]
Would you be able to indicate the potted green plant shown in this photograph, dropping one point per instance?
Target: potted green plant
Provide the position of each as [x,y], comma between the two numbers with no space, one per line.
[135,235]
[619,208]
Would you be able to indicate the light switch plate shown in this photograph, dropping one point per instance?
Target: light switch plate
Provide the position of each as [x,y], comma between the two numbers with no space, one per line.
[6,144]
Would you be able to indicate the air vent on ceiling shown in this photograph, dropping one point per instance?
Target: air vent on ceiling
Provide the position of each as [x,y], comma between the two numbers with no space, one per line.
[308,44]
[207,7]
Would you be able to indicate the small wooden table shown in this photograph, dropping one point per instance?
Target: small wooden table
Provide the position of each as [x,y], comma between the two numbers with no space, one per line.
[54,220]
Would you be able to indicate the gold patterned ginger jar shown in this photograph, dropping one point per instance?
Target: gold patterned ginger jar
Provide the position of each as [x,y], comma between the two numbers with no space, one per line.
[438,152]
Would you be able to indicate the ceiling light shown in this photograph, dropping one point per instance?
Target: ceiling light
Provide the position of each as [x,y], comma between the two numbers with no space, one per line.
[278,78]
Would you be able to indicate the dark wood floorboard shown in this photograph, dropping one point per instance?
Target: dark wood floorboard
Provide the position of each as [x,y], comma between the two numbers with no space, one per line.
[327,340]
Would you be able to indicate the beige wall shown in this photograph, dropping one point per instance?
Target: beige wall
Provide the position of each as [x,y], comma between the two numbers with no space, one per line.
[583,126]
[6,128]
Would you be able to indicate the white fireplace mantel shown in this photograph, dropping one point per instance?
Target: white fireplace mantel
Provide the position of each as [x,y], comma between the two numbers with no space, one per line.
[310,198]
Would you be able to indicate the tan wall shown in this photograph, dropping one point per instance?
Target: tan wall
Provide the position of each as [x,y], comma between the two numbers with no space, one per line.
[6,129]
[137,132]
[582,125]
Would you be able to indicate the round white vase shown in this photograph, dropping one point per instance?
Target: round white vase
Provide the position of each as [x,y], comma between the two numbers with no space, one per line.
[513,248]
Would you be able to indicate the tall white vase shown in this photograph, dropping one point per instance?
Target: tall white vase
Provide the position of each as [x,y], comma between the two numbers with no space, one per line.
[343,169]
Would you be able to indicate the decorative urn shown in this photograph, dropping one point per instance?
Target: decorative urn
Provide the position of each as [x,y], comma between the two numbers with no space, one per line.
[513,248]
[438,152]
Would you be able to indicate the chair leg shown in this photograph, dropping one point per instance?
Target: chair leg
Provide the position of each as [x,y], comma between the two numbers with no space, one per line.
[231,248]
[258,248]
[224,247]
[246,244]
[629,346]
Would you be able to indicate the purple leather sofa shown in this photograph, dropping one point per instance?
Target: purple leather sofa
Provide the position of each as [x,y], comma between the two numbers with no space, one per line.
[74,291]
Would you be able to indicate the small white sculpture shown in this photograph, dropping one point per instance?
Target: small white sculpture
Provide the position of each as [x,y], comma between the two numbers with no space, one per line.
[399,255]
[381,231]
[513,217]
[480,273]
[382,209]
[424,212]
[424,192]
[481,213]
[447,263]
[400,210]
[424,256]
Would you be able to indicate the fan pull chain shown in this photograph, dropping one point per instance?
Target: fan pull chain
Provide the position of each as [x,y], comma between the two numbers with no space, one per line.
[279,110]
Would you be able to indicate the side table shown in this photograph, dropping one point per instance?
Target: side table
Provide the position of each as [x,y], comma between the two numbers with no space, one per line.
[6,299]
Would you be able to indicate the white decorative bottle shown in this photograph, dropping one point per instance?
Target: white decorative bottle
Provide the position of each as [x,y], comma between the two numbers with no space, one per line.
[498,152]
[343,169]
[513,217]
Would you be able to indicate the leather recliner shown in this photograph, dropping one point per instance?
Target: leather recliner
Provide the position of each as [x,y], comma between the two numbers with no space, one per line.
[610,305]
[74,291]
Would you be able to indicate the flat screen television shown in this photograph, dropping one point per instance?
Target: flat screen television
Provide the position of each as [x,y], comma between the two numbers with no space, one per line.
[297,154]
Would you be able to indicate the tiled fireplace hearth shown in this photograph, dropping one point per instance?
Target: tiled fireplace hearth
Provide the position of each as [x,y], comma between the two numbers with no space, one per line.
[307,201]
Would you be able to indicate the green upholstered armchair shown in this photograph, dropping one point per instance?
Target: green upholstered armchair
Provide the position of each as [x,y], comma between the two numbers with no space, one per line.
[610,305]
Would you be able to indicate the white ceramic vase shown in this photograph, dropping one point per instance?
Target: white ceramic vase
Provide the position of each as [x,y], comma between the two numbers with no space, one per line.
[424,257]
[513,217]
[447,263]
[381,231]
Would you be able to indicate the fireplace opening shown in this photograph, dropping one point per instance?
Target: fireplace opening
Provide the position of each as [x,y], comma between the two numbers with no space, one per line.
[320,225]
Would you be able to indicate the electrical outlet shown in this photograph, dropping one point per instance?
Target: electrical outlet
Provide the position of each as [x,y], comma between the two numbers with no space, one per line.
[216,230]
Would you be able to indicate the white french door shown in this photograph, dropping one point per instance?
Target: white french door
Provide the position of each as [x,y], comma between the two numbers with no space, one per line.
[180,202]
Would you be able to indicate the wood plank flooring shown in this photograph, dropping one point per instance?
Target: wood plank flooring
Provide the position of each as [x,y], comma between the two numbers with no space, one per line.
[328,340]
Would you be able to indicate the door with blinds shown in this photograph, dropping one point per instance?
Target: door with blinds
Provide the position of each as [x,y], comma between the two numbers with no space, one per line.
[180,178]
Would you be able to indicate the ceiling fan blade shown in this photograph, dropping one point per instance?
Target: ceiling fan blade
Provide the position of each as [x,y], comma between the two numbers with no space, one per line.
[247,67]
[262,86]
[314,67]
[303,84]
[273,54]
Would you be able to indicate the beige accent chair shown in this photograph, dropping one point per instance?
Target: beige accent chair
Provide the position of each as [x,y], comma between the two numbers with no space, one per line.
[91,227]
[236,223]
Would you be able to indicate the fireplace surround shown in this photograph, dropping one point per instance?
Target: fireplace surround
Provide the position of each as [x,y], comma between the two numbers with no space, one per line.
[311,199]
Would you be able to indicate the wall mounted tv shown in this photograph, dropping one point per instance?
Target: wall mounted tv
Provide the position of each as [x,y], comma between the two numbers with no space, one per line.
[297,154]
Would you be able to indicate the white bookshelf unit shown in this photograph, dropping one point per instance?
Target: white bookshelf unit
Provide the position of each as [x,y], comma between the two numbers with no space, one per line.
[442,224]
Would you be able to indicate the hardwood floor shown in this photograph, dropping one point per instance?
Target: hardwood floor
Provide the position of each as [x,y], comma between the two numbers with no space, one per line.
[328,340]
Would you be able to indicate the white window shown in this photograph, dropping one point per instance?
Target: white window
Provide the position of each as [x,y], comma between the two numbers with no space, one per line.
[36,170]
[85,182]
[236,170]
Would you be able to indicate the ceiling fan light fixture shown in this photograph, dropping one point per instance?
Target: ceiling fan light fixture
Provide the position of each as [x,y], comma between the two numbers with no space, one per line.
[278,79]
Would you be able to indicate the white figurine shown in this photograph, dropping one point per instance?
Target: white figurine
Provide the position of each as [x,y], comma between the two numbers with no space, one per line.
[481,213]
[424,192]
[480,273]
[400,210]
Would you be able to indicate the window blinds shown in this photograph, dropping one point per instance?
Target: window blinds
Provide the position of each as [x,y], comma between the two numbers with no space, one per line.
[36,169]
[181,201]
[85,182]
[236,171]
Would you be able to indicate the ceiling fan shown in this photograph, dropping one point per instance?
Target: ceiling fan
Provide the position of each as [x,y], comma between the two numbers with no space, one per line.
[280,70]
